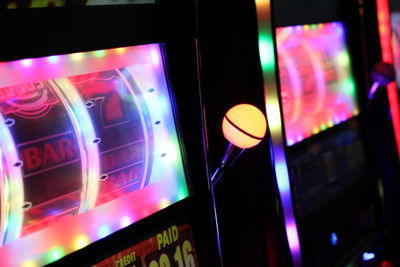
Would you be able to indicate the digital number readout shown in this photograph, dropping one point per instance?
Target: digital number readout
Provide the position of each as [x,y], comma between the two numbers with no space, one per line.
[171,247]
[182,257]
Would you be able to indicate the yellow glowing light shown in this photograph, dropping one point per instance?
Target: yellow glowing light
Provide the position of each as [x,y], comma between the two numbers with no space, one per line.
[330,123]
[29,264]
[81,241]
[274,118]
[306,27]
[343,59]
[120,50]
[77,56]
[315,130]
[244,125]
[164,203]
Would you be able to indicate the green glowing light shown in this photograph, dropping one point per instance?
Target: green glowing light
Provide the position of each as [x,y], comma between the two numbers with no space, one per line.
[100,53]
[55,254]
[266,50]
[314,26]
[323,127]
[182,193]
[349,87]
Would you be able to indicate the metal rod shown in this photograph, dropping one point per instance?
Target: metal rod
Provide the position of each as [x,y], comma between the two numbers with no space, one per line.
[372,91]
[216,224]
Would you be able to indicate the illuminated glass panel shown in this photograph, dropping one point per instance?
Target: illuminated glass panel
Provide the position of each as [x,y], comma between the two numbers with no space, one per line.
[317,86]
[88,145]
[395,21]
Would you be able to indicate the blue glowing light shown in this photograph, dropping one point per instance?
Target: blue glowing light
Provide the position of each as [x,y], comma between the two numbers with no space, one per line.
[367,256]
[104,231]
[334,239]
[53,59]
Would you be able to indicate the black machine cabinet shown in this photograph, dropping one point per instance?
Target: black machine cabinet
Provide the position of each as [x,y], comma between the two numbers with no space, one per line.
[113,43]
[317,191]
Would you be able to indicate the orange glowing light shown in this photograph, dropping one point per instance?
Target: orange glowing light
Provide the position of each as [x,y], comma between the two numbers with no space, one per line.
[244,125]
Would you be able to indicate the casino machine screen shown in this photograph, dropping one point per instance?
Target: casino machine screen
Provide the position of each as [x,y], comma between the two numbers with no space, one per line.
[317,86]
[88,145]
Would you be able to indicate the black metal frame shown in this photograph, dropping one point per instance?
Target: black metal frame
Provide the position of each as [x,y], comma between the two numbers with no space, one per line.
[362,48]
[28,33]
[231,75]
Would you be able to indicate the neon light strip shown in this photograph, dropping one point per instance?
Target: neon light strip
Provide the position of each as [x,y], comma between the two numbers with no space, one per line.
[57,66]
[13,186]
[88,148]
[387,56]
[3,197]
[268,65]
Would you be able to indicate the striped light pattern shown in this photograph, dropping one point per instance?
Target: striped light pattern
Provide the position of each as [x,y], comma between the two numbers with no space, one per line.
[167,183]
[268,64]
[88,149]
[387,56]
[317,86]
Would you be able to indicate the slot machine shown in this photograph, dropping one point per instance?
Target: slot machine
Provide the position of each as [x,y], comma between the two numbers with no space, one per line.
[386,114]
[102,159]
[313,185]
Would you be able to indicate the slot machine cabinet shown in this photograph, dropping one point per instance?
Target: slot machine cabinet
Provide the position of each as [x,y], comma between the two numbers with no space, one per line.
[382,15]
[251,227]
[340,165]
[325,180]
[393,188]
[102,157]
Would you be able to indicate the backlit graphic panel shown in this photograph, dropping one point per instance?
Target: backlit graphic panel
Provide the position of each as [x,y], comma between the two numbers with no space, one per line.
[317,87]
[170,246]
[88,145]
